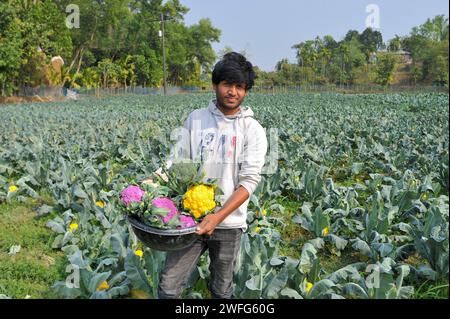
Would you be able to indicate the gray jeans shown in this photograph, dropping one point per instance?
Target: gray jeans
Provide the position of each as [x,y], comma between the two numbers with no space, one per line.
[223,246]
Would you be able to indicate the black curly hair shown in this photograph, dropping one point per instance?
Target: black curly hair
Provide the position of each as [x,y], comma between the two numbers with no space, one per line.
[234,69]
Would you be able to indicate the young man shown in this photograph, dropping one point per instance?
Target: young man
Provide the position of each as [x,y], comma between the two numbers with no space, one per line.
[231,147]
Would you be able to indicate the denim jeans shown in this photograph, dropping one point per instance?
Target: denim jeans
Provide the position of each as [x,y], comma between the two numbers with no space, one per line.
[223,246]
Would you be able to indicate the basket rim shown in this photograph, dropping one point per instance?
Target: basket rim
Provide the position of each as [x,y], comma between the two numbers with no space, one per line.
[164,232]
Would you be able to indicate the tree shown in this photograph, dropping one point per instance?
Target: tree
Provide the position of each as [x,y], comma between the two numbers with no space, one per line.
[371,41]
[386,64]
[33,35]
[103,29]
[127,74]
[439,70]
[325,55]
[110,72]
[90,78]
[435,29]
[306,53]
[286,72]
[201,35]
[428,44]
[11,51]
[351,34]
[147,70]
[329,42]
[395,44]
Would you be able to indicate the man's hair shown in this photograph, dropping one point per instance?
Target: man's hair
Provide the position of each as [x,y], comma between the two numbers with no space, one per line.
[234,69]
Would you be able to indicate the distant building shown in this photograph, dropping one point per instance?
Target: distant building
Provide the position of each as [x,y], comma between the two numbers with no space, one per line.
[373,57]
[404,56]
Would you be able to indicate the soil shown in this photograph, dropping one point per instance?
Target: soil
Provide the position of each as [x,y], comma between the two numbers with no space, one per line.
[24,99]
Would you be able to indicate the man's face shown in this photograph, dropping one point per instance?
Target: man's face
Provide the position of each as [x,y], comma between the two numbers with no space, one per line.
[230,96]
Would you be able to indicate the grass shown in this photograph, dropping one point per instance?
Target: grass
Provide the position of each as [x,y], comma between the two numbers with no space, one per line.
[426,289]
[31,272]
[431,290]
[363,195]
[331,262]
[292,235]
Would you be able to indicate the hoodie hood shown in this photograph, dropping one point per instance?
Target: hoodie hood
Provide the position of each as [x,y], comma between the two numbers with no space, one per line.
[244,111]
[238,122]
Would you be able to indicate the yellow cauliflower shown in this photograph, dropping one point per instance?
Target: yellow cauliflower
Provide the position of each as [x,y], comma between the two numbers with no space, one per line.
[199,200]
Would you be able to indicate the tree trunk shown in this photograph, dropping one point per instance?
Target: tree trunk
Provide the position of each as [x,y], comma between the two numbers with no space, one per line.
[77,55]
[79,61]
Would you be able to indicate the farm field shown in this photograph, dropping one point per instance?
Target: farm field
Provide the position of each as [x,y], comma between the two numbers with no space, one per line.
[356,208]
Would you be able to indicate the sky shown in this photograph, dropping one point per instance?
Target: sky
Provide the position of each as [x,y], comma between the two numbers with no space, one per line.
[267,29]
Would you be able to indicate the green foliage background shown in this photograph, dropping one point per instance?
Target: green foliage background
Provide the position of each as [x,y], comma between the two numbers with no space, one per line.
[118,45]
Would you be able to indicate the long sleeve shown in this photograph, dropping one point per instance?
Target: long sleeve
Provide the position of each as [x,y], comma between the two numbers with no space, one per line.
[255,149]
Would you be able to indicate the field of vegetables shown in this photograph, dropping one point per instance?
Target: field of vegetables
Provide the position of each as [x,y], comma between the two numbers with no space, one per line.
[359,198]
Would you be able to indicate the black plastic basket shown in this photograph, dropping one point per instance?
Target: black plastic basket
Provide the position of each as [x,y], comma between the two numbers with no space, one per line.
[163,239]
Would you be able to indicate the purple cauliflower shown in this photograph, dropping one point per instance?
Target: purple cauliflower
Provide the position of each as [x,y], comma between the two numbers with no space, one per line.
[131,194]
[164,202]
[187,221]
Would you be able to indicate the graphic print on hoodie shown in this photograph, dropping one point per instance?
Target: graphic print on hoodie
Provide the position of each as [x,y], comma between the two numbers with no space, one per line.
[217,145]
[230,149]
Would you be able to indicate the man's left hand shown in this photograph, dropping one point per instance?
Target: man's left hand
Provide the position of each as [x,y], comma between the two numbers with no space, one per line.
[208,224]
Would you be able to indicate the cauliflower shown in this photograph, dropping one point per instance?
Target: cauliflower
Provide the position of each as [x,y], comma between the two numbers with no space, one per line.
[199,200]
[131,194]
[187,222]
[167,203]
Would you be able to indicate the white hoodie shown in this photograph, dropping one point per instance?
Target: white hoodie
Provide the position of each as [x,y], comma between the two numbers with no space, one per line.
[230,149]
